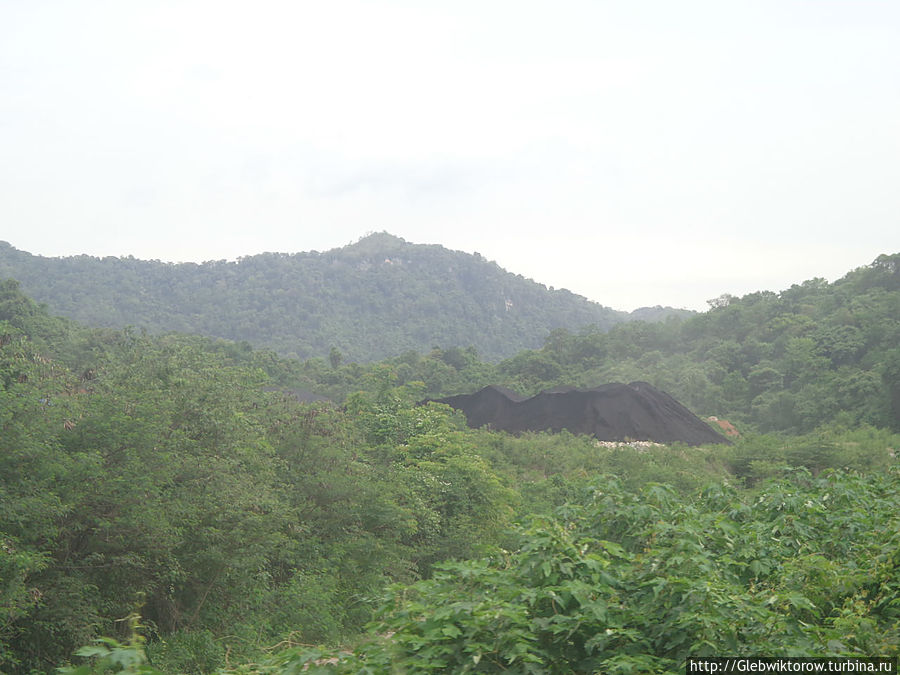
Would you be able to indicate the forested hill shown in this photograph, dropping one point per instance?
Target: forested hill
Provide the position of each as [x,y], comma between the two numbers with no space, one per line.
[370,300]
[813,354]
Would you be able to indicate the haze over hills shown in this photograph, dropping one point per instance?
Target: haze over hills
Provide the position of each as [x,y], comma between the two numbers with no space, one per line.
[370,300]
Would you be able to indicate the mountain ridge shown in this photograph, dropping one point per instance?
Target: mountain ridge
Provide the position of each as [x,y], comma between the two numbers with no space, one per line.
[368,300]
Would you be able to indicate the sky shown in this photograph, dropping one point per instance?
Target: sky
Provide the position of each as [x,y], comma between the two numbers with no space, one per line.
[636,152]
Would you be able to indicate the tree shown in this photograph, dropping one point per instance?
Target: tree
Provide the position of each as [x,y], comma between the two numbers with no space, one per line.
[335,357]
[890,374]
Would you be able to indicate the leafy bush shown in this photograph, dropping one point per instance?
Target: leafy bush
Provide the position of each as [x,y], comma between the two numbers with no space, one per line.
[637,582]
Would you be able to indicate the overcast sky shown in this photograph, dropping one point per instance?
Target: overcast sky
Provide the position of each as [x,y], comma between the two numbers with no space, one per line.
[635,152]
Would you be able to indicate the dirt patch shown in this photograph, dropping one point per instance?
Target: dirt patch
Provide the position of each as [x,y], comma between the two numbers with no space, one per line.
[727,427]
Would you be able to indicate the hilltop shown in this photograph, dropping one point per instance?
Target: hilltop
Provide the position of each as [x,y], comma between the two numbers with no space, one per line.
[376,298]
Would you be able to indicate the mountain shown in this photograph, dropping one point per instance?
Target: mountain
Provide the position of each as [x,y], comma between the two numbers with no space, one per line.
[370,300]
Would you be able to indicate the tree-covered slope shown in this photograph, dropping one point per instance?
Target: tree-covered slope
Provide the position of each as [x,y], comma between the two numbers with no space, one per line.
[370,300]
[813,354]
[810,355]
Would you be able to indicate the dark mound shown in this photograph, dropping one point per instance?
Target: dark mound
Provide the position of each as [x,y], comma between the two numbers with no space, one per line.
[612,412]
[485,407]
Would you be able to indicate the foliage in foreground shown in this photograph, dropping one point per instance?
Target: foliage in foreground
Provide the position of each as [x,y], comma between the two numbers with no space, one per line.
[241,516]
[635,582]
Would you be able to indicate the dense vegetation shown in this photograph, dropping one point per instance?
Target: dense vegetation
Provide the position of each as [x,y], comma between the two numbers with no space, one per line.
[151,469]
[813,354]
[626,582]
[790,361]
[178,479]
[370,300]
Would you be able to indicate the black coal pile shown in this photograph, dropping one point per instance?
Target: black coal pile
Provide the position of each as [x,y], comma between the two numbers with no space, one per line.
[612,412]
